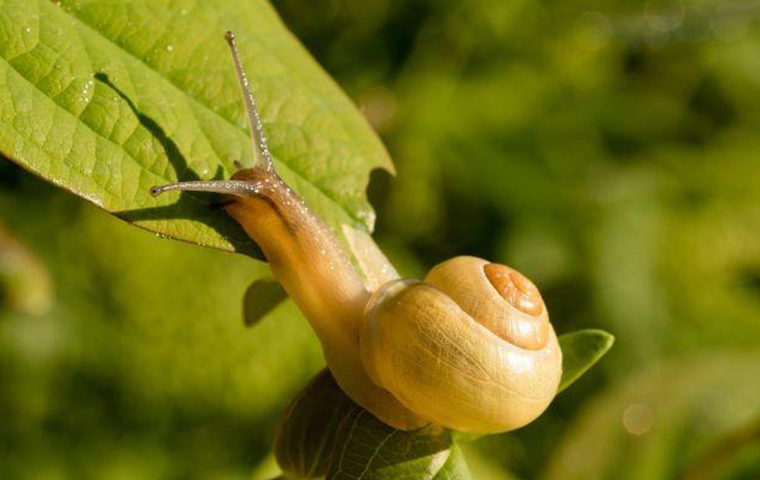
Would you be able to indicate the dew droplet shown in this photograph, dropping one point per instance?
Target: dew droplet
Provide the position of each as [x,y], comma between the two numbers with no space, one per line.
[87,90]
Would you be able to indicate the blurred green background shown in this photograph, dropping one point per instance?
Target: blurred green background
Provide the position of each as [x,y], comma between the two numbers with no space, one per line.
[609,150]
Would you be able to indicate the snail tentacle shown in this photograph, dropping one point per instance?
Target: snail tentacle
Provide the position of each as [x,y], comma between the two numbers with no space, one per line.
[261,155]
[236,188]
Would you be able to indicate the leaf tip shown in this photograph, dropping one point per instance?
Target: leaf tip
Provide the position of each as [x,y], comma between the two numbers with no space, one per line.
[580,351]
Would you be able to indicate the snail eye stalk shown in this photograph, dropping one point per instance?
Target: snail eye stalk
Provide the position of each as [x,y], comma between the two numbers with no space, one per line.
[261,156]
[238,188]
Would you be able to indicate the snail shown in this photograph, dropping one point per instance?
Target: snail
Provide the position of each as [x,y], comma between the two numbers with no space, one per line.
[470,347]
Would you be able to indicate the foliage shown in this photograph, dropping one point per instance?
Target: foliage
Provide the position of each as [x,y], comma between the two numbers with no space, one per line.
[608,151]
[360,445]
[108,101]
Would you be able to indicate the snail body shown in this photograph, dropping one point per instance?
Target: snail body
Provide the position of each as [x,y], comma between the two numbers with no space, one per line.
[470,347]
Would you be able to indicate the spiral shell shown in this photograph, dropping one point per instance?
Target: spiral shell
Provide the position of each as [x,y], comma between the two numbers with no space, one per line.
[470,348]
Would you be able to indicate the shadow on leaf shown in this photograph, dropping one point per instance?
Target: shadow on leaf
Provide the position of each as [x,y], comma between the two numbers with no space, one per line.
[190,206]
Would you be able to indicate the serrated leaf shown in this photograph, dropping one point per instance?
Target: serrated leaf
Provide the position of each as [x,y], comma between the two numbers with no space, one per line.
[263,296]
[324,433]
[580,351]
[108,98]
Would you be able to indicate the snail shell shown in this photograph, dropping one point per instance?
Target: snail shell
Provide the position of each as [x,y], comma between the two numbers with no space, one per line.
[462,352]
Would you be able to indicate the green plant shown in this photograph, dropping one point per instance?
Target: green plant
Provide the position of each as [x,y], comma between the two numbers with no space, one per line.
[110,113]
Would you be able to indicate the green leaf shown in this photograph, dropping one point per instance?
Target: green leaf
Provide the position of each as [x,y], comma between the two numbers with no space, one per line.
[580,351]
[306,434]
[455,467]
[107,98]
[263,296]
[367,448]
[324,433]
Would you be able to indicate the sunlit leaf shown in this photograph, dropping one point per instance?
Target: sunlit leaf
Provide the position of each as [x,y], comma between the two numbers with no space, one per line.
[107,99]
[580,351]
